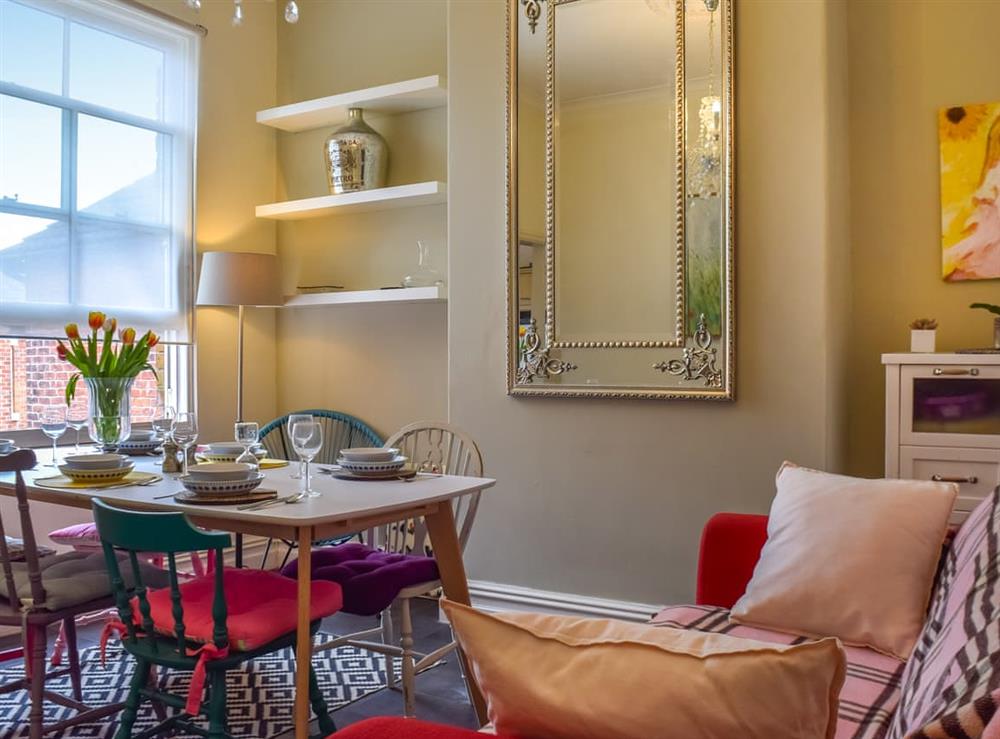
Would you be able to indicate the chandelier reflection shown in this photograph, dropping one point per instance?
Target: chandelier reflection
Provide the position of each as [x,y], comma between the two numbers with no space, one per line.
[704,164]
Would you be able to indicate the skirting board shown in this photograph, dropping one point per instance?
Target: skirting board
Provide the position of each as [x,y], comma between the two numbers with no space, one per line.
[493,596]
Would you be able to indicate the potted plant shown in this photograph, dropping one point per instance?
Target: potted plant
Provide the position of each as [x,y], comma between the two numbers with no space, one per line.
[995,310]
[109,367]
[922,335]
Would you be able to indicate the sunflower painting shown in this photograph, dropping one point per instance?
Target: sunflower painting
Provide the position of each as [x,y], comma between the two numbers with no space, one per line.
[969,138]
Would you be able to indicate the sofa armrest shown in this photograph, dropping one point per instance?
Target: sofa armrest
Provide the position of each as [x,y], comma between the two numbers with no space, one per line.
[730,548]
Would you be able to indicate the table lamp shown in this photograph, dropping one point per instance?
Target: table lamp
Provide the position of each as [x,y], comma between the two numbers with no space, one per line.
[239,279]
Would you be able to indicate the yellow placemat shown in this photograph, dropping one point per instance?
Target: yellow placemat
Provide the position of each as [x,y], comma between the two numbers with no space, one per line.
[61,482]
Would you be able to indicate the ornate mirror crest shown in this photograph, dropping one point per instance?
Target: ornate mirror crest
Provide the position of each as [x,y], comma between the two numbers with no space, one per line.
[620,198]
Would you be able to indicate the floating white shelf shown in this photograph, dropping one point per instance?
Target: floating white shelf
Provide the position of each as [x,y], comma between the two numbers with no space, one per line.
[384,198]
[434,294]
[398,97]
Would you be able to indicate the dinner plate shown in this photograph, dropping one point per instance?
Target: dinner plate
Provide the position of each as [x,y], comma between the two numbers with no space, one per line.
[403,473]
[105,475]
[210,456]
[392,465]
[136,448]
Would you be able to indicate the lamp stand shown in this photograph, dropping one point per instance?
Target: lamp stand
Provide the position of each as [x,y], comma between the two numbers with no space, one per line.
[239,366]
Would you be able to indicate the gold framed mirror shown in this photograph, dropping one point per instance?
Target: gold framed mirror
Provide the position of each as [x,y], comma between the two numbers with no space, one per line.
[620,220]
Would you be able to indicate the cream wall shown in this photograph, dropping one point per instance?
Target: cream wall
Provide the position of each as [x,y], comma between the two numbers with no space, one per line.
[384,363]
[607,498]
[907,60]
[236,171]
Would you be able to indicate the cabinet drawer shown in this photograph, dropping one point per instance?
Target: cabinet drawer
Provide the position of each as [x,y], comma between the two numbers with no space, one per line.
[950,405]
[977,471]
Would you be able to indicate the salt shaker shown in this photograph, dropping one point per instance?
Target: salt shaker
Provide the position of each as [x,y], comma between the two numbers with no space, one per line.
[170,461]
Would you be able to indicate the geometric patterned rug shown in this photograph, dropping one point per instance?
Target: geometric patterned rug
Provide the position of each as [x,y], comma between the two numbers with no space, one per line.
[260,696]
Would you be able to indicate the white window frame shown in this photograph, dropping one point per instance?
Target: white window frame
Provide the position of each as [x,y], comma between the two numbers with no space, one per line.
[146,26]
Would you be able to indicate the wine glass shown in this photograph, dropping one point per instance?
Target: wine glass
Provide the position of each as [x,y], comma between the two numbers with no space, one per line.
[185,433]
[294,418]
[307,440]
[76,419]
[247,433]
[163,424]
[53,424]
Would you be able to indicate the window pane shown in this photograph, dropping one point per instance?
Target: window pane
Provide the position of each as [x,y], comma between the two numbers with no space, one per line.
[30,152]
[34,256]
[123,266]
[111,71]
[31,47]
[119,170]
[38,380]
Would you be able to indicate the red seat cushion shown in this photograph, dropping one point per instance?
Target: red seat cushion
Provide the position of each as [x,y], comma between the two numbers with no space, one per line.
[261,606]
[405,728]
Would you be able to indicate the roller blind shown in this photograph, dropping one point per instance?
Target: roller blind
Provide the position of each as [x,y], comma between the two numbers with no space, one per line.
[98,115]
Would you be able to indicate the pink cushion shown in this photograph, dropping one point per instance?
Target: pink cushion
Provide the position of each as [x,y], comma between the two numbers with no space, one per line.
[871,689]
[78,536]
[262,606]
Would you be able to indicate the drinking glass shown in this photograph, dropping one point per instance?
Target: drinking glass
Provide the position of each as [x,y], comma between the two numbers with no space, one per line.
[163,424]
[76,419]
[307,440]
[185,433]
[294,418]
[247,433]
[53,423]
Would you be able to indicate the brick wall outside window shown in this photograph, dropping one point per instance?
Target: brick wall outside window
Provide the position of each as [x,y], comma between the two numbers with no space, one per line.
[33,378]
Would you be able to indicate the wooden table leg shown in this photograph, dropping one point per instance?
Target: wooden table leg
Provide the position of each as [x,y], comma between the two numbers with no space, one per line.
[303,640]
[448,553]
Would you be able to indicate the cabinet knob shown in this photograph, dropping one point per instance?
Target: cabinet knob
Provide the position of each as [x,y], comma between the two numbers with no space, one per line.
[974,371]
[971,479]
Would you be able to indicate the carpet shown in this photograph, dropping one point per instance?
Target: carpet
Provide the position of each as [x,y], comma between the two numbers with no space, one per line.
[260,696]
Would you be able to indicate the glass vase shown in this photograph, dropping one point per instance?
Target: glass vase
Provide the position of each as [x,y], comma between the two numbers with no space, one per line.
[356,156]
[424,275]
[109,422]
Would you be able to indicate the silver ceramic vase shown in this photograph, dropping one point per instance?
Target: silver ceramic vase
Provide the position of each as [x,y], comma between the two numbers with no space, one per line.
[356,156]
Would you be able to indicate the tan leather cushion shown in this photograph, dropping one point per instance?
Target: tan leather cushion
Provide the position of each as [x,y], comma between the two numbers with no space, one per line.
[558,677]
[849,557]
[77,577]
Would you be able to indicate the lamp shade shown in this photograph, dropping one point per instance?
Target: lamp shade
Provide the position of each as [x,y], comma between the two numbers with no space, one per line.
[239,278]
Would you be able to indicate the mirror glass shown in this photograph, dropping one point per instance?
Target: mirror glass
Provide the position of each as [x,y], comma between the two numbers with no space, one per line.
[620,230]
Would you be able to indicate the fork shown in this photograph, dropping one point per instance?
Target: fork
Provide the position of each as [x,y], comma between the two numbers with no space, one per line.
[274,501]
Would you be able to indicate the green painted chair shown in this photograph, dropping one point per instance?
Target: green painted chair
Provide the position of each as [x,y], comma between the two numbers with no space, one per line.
[157,636]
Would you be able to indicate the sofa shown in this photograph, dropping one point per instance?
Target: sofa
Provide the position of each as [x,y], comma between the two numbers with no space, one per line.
[950,685]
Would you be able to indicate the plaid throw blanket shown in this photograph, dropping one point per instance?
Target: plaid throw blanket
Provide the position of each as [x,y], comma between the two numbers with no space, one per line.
[871,688]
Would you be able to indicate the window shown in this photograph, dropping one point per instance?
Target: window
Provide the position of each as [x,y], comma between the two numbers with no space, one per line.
[98,111]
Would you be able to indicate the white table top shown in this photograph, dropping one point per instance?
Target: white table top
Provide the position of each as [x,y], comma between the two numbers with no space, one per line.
[339,500]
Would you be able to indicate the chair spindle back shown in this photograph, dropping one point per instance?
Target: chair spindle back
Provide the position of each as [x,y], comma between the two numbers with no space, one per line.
[439,447]
[137,532]
[17,462]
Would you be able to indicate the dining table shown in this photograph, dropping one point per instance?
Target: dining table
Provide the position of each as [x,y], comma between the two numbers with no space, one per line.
[342,507]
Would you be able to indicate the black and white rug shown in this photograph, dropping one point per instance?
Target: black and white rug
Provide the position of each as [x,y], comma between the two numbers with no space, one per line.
[260,696]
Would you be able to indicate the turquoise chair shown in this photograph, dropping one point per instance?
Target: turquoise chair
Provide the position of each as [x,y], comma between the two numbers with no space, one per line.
[340,431]
[212,654]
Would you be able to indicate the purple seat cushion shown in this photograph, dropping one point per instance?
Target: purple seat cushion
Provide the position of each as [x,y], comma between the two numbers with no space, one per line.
[370,579]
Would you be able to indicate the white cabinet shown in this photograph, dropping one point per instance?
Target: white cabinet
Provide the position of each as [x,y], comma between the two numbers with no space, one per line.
[942,422]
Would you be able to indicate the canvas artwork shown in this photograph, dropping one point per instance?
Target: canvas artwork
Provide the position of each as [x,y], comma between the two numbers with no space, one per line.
[969,138]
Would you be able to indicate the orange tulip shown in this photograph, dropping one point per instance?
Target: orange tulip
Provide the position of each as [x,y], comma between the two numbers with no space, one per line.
[128,335]
[72,332]
[95,320]
[153,340]
[61,351]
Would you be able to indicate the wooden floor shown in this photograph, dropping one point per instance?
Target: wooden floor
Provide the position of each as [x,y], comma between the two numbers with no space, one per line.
[441,693]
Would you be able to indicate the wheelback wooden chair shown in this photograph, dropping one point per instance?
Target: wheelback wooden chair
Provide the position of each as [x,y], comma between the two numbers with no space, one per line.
[41,591]
[438,448]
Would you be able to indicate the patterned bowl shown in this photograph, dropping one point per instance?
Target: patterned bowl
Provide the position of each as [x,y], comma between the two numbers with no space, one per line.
[396,463]
[95,461]
[210,456]
[221,487]
[106,475]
